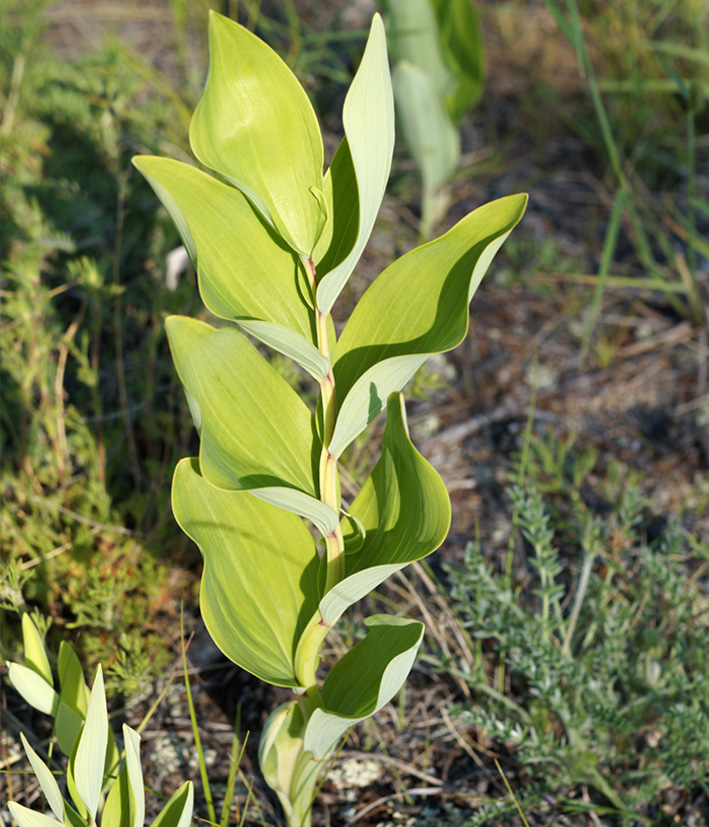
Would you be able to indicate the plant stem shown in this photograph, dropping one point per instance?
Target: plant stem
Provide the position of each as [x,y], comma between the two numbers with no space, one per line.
[329,475]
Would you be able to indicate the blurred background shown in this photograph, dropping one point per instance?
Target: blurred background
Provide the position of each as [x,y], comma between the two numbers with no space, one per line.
[568,610]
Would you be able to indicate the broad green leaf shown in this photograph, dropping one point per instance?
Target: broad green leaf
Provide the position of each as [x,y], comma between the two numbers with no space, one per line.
[404,509]
[47,782]
[255,126]
[131,740]
[67,726]
[323,517]
[178,810]
[463,47]
[426,126]
[259,585]
[289,772]
[364,680]
[28,818]
[91,751]
[33,688]
[73,690]
[35,654]
[414,38]
[245,270]
[416,307]
[256,431]
[368,121]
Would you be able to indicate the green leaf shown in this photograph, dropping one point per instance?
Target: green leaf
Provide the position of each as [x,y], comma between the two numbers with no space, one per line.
[255,126]
[244,445]
[414,37]
[131,740]
[67,726]
[288,771]
[28,818]
[368,120]
[404,509]
[35,654]
[47,782]
[290,344]
[323,517]
[91,751]
[73,689]
[416,307]
[178,810]
[426,126]
[259,585]
[33,688]
[364,680]
[245,271]
[464,51]
[116,810]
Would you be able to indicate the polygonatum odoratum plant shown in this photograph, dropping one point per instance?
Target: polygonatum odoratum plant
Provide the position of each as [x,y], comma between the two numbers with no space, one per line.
[273,241]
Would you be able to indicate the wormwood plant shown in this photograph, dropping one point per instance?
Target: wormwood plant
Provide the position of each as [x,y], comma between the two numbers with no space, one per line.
[273,242]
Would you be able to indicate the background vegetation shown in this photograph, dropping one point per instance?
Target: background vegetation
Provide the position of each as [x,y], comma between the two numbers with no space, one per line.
[568,612]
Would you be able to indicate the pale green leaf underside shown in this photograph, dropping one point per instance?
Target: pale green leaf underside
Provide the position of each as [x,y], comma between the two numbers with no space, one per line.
[290,344]
[28,818]
[323,517]
[259,585]
[244,269]
[404,509]
[33,688]
[368,121]
[364,680]
[46,779]
[243,444]
[91,752]
[432,139]
[413,32]
[178,810]
[255,126]
[418,306]
[131,740]
[35,654]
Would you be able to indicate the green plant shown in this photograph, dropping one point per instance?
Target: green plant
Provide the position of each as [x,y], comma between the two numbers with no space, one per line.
[100,780]
[659,72]
[85,517]
[604,657]
[272,248]
[439,67]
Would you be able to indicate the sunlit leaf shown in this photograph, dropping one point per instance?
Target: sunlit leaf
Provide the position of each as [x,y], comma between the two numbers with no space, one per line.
[416,307]
[46,780]
[33,688]
[91,752]
[178,810]
[28,818]
[243,444]
[404,509]
[245,270]
[368,121]
[35,654]
[259,585]
[255,126]
[364,679]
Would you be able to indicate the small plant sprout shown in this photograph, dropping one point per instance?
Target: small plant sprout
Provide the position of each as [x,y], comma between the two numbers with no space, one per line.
[104,785]
[273,242]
